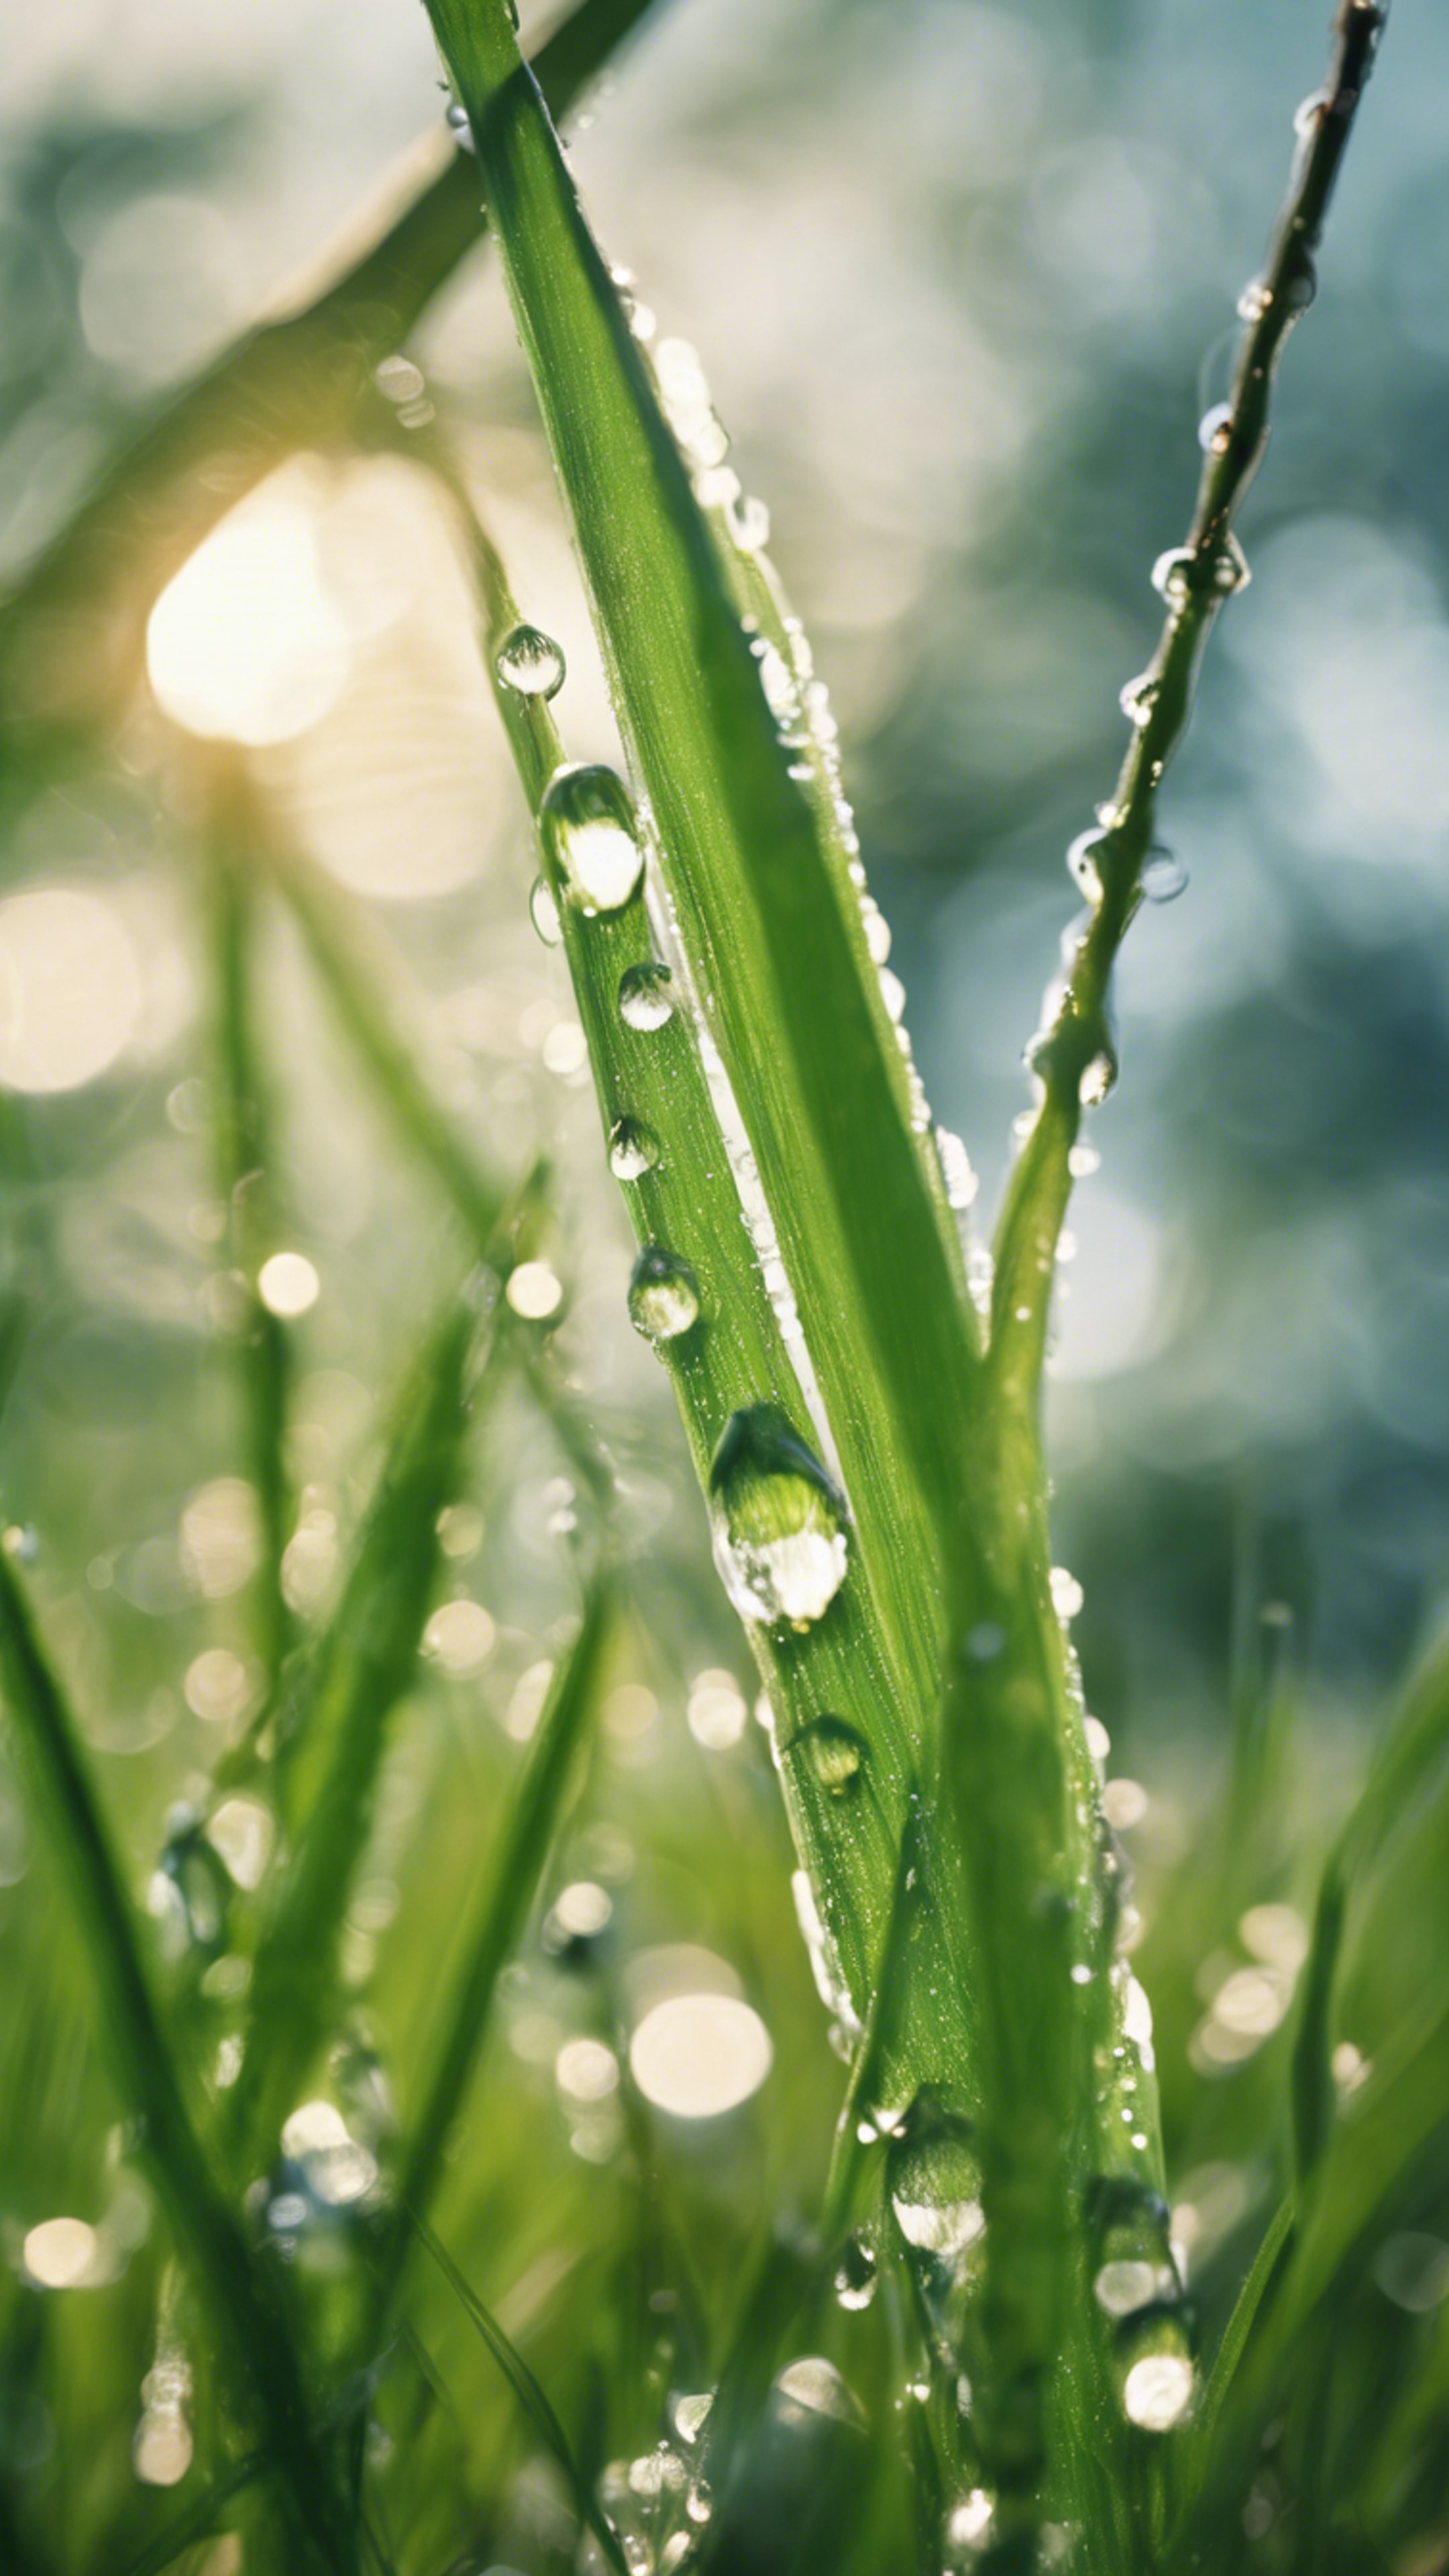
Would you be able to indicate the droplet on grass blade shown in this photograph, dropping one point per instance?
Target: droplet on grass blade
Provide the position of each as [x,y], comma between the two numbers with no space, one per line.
[644,998]
[833,1752]
[1164,876]
[531,663]
[1158,2391]
[857,2275]
[663,1295]
[780,1541]
[589,827]
[633,1149]
[544,913]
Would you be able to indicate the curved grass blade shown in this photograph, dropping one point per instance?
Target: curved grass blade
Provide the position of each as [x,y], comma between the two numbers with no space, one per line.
[1266,2267]
[199,2519]
[827,1104]
[840,1690]
[254,2335]
[530,2395]
[329,1767]
[71,635]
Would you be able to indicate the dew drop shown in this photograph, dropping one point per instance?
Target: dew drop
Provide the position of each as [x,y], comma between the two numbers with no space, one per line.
[530,662]
[1172,574]
[1158,2391]
[1096,1081]
[543,912]
[834,1751]
[749,524]
[644,1000]
[1230,568]
[1083,863]
[780,1541]
[1122,2288]
[1164,876]
[663,1295]
[633,1149]
[589,826]
[856,2276]
[1215,430]
[1255,300]
[1139,697]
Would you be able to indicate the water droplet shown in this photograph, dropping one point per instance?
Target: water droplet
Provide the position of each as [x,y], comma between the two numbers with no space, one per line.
[1172,574]
[815,2387]
[689,2415]
[1083,1161]
[588,823]
[1158,2391]
[962,1181]
[856,2277]
[834,1751]
[1066,1591]
[1096,1081]
[749,524]
[1215,430]
[530,662]
[459,127]
[1308,114]
[543,912]
[780,1541]
[663,1295]
[1083,862]
[1139,697]
[1122,2288]
[644,1000]
[1164,876]
[968,2525]
[1255,300]
[1230,568]
[633,1149]
[1300,289]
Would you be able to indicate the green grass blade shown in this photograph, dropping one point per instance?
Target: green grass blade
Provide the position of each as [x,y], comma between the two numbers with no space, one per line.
[254,2335]
[530,2395]
[71,635]
[329,1770]
[845,1666]
[199,2519]
[768,940]
[514,1872]
[1266,2263]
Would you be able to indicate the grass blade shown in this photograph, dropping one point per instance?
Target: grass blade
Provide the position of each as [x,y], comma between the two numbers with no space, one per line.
[329,1770]
[840,1690]
[254,2334]
[71,635]
[530,2395]
[766,933]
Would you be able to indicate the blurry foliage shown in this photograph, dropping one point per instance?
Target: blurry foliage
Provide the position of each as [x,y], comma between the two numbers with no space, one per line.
[953,279]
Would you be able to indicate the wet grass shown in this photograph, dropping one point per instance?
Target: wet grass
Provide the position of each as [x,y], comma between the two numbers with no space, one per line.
[974,2342]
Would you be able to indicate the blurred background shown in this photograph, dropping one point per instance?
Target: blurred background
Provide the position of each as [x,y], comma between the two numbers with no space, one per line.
[963,280]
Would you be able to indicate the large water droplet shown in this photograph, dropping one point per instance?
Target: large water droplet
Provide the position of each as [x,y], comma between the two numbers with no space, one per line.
[780,1541]
[633,1149]
[543,912]
[588,823]
[1122,2288]
[644,1001]
[1158,2391]
[663,1295]
[530,662]
[834,1752]
[1215,430]
[1084,862]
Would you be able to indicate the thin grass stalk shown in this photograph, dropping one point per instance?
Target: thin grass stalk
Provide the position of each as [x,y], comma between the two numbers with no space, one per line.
[71,634]
[255,2342]
[838,1691]
[1074,1054]
[328,1767]
[768,944]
